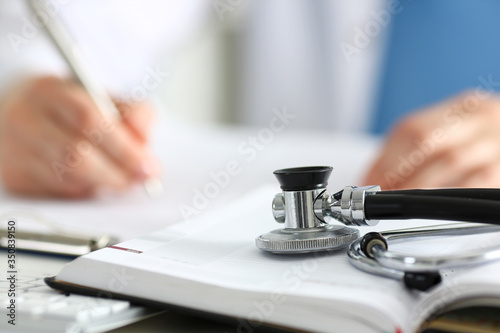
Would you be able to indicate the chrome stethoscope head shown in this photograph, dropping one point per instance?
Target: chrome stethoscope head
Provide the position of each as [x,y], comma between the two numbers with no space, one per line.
[305,207]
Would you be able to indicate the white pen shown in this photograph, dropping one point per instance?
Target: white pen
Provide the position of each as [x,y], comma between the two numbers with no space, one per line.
[60,37]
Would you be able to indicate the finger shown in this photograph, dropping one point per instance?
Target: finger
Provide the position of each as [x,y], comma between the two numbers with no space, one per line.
[416,141]
[67,164]
[78,165]
[21,175]
[67,104]
[486,176]
[138,117]
[97,172]
[32,170]
[31,174]
[22,171]
[127,152]
[402,138]
[70,107]
[113,138]
[447,168]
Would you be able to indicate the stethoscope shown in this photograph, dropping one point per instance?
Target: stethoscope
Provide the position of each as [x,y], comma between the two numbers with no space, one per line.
[305,207]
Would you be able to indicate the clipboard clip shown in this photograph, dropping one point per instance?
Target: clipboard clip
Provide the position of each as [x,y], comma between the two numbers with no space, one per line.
[53,240]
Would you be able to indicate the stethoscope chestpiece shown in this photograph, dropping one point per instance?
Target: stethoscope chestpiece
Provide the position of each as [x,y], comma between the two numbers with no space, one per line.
[300,208]
[284,241]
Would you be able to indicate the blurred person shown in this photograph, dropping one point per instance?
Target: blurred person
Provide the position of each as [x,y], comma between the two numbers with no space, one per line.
[53,139]
[354,67]
[422,73]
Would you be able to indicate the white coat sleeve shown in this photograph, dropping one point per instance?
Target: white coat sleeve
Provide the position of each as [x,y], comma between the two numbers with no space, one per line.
[24,48]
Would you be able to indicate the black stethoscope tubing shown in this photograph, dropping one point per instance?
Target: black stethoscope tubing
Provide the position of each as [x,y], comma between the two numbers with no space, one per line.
[469,205]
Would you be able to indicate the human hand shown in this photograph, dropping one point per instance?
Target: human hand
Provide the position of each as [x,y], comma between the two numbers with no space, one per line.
[55,142]
[452,144]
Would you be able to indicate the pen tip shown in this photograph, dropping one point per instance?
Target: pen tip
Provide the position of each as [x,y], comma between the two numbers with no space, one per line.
[153,187]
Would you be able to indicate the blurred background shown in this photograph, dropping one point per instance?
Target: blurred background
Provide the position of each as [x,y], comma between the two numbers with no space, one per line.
[323,67]
[338,65]
[228,61]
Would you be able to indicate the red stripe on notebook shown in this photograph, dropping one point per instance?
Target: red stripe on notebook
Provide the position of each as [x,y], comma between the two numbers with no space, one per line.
[124,249]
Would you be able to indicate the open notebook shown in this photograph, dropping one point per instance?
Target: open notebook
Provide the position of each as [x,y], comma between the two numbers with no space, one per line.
[212,265]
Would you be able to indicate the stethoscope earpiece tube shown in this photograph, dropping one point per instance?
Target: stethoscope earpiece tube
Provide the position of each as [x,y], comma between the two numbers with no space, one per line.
[370,240]
[413,280]
[371,253]
[383,206]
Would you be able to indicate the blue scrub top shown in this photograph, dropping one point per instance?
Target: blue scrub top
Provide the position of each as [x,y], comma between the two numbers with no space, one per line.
[437,48]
